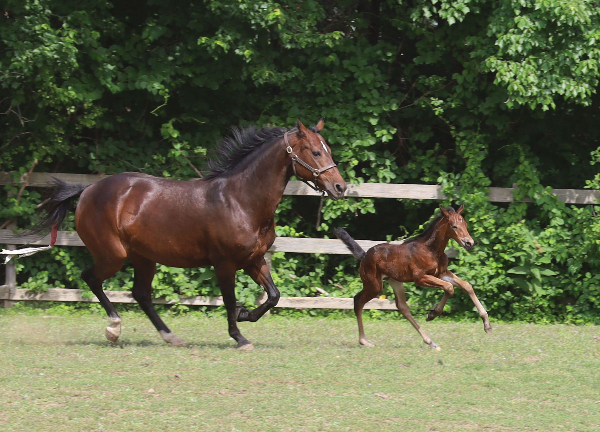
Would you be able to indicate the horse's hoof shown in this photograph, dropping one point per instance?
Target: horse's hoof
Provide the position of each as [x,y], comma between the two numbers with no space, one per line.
[435,346]
[488,330]
[111,336]
[173,339]
[245,347]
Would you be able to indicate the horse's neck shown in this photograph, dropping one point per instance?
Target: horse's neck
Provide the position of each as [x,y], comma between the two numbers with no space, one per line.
[264,176]
[439,237]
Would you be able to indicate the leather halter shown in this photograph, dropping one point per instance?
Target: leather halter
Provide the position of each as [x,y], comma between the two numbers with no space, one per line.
[315,171]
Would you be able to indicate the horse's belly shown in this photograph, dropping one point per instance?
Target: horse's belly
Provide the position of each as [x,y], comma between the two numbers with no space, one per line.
[170,251]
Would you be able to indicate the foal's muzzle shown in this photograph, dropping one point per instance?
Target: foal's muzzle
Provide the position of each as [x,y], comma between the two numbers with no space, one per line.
[467,243]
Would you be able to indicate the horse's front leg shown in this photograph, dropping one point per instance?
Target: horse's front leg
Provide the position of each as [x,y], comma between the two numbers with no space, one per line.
[260,273]
[226,278]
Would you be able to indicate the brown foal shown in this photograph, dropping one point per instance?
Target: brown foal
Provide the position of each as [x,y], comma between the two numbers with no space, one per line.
[421,260]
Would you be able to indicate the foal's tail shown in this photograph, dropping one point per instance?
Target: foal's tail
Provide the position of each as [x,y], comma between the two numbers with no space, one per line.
[54,210]
[358,252]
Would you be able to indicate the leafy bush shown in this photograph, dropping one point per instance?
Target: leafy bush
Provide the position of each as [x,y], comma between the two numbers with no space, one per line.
[464,94]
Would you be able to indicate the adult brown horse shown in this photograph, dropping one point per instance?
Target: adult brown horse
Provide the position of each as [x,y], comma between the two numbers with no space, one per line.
[421,260]
[225,220]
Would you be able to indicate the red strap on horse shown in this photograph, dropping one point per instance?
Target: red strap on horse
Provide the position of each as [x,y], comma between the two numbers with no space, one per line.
[54,234]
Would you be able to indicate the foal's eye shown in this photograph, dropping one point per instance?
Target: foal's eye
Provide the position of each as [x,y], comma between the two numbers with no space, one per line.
[454,227]
[316,153]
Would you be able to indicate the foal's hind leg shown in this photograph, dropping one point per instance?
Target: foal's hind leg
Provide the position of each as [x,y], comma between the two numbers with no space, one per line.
[402,306]
[372,286]
[94,276]
[144,271]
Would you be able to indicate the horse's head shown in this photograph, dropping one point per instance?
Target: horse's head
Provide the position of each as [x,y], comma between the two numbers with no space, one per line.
[458,226]
[312,160]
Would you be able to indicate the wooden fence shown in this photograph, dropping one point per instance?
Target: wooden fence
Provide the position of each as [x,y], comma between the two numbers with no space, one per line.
[10,293]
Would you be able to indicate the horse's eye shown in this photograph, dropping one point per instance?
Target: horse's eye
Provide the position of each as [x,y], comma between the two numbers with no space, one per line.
[454,227]
[316,153]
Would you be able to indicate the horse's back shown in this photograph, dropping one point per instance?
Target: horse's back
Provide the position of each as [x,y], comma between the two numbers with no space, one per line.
[146,215]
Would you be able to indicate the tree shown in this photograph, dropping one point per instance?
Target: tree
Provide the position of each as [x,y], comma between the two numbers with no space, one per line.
[463,93]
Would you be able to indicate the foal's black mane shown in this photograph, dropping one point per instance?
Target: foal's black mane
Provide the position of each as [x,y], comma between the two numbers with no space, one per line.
[430,227]
[232,150]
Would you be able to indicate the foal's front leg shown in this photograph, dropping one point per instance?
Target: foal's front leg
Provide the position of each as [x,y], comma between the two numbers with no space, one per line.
[260,274]
[466,286]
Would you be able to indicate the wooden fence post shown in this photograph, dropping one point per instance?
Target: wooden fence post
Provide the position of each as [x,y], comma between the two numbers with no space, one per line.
[11,276]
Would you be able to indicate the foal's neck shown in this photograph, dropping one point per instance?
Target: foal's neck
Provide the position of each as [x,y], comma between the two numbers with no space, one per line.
[439,237]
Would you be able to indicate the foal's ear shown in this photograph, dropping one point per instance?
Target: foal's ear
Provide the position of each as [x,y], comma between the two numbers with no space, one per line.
[460,209]
[320,124]
[445,212]
[302,130]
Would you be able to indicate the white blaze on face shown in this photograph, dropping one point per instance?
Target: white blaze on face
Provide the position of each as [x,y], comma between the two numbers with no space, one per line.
[324,146]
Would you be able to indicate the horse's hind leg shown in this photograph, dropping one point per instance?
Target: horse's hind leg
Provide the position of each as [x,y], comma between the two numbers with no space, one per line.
[226,279]
[94,276]
[144,271]
[402,306]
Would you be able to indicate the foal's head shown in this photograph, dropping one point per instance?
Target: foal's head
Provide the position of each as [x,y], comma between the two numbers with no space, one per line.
[311,148]
[458,226]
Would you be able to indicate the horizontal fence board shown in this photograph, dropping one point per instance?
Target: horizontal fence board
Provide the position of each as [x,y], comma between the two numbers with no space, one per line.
[363,190]
[75,295]
[281,244]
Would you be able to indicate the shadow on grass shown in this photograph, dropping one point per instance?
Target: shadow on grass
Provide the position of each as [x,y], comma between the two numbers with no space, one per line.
[148,343]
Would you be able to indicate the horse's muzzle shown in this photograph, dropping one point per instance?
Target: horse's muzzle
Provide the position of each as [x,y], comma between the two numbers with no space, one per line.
[337,191]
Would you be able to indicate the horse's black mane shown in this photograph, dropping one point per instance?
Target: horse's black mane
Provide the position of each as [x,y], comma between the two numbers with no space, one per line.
[232,150]
[429,228]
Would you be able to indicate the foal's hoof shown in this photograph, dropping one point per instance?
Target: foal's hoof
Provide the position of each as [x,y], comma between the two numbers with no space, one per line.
[488,329]
[432,315]
[434,346]
[364,342]
[245,347]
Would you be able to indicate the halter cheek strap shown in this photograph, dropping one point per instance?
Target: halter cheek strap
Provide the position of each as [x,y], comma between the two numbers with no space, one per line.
[315,171]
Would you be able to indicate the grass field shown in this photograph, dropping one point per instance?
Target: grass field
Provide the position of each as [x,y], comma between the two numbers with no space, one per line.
[309,374]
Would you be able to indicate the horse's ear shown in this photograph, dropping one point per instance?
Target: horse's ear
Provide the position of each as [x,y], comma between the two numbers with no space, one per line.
[460,209]
[320,124]
[302,130]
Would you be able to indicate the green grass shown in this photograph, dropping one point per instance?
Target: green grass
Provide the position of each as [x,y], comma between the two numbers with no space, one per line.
[307,374]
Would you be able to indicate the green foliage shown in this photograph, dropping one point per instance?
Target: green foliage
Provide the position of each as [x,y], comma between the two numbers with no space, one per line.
[466,94]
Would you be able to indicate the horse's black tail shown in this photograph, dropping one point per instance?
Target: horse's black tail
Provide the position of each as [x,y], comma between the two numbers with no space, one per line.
[358,252]
[55,208]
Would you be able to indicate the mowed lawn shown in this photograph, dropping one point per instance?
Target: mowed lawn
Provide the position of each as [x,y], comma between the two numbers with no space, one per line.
[307,374]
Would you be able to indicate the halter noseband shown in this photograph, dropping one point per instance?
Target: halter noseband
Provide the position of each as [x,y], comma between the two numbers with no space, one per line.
[315,171]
